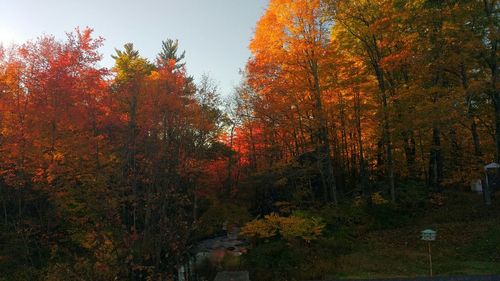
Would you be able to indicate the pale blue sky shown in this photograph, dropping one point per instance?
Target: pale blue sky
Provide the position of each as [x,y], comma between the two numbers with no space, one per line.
[214,33]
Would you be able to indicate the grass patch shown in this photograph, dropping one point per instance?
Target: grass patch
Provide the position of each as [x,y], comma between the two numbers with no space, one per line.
[384,242]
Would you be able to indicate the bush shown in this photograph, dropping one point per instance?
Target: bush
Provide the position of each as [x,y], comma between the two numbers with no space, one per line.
[344,219]
[290,228]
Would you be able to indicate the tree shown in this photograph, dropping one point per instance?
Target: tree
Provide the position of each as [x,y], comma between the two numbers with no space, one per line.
[168,54]
[290,41]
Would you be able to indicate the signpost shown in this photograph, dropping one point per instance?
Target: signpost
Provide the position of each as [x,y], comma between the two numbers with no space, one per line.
[429,235]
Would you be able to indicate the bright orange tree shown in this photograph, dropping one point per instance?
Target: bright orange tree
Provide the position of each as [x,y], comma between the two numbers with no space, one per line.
[288,72]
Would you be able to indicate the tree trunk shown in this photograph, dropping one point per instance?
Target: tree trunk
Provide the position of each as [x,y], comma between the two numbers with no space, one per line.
[492,61]
[496,104]
[475,138]
[386,130]
[324,143]
[253,150]
[362,164]
[410,153]
[229,183]
[436,161]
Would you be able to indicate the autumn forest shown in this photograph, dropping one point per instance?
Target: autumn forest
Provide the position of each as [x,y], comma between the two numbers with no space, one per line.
[351,118]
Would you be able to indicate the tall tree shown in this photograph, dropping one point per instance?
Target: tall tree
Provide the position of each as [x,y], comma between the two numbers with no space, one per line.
[290,41]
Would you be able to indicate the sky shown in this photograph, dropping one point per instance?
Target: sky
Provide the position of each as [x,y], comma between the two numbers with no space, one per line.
[214,33]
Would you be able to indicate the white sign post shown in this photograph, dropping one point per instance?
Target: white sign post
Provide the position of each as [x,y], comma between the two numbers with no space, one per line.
[429,235]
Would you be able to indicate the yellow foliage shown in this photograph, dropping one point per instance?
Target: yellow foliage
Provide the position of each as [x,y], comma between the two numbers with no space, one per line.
[378,199]
[259,229]
[289,228]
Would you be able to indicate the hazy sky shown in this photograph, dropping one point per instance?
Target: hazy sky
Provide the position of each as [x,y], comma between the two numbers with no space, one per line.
[214,33]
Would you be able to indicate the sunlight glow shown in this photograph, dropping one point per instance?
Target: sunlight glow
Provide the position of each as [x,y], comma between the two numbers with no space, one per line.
[8,36]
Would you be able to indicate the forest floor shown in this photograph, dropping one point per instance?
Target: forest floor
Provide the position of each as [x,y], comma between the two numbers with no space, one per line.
[468,243]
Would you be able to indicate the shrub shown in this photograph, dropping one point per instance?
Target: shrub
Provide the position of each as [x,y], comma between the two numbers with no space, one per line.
[290,228]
